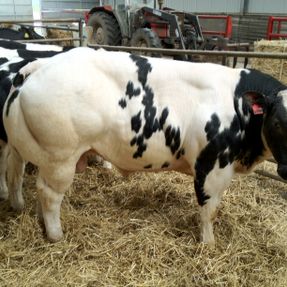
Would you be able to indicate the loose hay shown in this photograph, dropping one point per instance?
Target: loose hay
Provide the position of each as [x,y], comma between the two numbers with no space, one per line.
[144,231]
[274,67]
[60,34]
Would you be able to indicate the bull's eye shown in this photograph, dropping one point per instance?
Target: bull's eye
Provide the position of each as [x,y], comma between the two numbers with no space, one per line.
[276,124]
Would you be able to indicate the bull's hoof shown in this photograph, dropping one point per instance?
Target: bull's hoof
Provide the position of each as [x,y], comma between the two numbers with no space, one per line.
[207,237]
[210,244]
[55,236]
[17,206]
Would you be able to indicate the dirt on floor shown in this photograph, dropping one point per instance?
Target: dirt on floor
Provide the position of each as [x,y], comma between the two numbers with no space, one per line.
[144,231]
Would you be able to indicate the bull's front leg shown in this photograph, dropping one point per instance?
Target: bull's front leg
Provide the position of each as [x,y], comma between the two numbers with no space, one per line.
[209,189]
[3,169]
[15,172]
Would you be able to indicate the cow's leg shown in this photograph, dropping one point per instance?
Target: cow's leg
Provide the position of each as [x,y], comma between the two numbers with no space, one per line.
[209,190]
[3,169]
[15,172]
[51,185]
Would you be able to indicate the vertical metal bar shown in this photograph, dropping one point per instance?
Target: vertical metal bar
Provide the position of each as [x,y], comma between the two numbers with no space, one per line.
[81,31]
[279,26]
[245,6]
[269,27]
[224,61]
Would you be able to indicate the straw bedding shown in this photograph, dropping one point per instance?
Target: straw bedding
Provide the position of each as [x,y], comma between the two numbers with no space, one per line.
[144,231]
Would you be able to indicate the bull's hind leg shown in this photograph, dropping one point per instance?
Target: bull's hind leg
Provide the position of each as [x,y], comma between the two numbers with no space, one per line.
[52,183]
[3,169]
[209,189]
[15,172]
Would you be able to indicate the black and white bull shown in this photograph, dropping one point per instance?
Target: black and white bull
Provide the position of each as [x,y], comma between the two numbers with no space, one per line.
[143,114]
[13,57]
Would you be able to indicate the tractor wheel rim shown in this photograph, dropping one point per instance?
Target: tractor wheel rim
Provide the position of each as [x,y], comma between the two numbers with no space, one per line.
[99,35]
[143,44]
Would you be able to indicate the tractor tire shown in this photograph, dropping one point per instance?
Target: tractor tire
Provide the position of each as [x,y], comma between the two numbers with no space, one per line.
[106,30]
[145,37]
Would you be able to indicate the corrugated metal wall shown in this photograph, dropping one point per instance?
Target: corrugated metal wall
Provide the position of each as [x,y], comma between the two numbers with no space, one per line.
[267,6]
[230,6]
[15,9]
[54,8]
[71,4]
[204,6]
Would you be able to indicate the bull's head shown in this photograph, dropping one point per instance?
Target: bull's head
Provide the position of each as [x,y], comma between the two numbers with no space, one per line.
[275,131]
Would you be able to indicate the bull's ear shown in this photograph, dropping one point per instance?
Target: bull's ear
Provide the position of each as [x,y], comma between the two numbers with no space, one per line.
[256,102]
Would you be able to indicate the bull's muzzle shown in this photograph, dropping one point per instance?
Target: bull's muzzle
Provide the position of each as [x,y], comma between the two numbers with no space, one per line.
[282,170]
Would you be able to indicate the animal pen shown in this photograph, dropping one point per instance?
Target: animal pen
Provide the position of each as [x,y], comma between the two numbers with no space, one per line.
[144,230]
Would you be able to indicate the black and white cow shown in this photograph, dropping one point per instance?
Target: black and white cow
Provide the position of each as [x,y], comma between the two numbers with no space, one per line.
[13,57]
[143,114]
[21,33]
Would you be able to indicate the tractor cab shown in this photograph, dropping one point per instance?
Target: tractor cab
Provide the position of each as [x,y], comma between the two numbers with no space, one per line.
[139,23]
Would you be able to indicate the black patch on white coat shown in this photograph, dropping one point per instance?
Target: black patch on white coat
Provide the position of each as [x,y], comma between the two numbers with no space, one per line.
[18,80]
[11,99]
[12,45]
[136,122]
[172,138]
[180,153]
[222,146]
[3,60]
[26,54]
[163,117]
[212,127]
[148,166]
[140,150]
[131,91]
[151,122]
[123,103]
[165,165]
[15,67]
[5,86]
[144,68]
[4,74]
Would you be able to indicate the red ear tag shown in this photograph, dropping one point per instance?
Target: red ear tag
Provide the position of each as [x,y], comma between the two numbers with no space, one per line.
[257,109]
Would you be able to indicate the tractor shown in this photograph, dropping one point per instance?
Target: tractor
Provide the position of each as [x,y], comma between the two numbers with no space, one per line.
[139,23]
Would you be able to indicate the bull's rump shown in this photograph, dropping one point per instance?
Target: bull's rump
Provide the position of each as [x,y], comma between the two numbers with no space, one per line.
[72,105]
